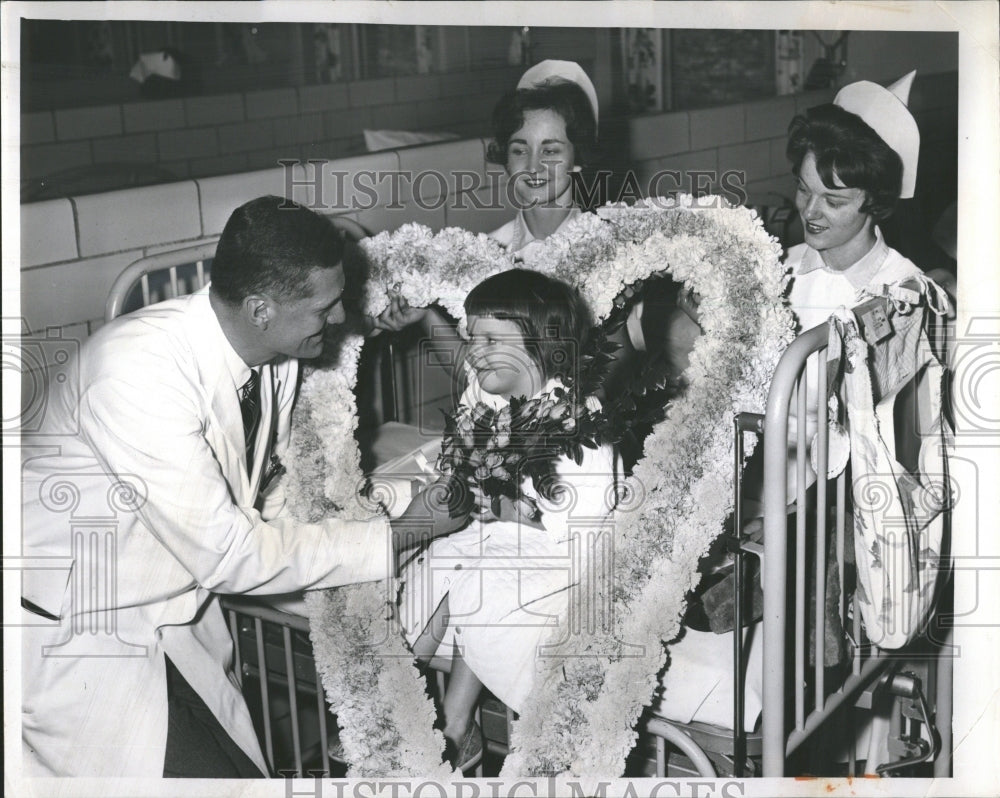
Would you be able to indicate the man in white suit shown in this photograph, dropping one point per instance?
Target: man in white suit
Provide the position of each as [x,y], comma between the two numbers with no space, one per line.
[149,498]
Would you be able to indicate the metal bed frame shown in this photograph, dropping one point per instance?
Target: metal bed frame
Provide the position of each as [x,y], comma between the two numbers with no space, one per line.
[272,647]
[795,708]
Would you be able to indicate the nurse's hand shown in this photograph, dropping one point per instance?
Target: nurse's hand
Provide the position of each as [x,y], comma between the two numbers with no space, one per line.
[688,301]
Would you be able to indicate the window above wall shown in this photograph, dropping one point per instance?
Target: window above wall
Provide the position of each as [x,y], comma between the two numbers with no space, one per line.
[89,62]
[674,70]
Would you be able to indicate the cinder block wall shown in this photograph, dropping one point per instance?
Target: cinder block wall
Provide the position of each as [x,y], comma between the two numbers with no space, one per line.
[229,133]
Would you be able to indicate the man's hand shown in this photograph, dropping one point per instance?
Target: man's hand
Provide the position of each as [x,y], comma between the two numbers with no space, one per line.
[398,315]
[435,511]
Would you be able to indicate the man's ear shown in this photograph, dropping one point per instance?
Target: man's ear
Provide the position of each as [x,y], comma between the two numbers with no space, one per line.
[258,310]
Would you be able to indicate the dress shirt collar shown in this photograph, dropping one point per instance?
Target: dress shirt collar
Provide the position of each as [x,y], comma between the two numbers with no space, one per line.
[523,236]
[859,274]
[238,370]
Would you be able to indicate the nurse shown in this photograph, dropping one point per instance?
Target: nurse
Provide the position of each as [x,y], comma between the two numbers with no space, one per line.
[544,132]
[853,159]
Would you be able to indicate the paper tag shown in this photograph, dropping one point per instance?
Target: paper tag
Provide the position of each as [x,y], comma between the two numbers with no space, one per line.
[874,320]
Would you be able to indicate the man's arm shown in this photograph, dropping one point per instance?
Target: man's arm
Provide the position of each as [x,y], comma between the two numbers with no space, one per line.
[147,423]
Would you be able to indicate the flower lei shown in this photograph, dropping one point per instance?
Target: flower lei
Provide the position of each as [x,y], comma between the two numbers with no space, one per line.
[583,709]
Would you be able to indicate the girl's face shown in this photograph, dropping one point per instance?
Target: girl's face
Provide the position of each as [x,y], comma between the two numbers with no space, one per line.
[498,355]
[832,218]
[540,159]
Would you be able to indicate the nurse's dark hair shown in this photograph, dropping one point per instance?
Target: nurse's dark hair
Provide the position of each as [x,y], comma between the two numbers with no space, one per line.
[553,318]
[556,94]
[845,144]
[270,246]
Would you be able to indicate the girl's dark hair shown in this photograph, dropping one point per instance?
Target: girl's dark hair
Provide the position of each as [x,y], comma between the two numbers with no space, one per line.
[552,317]
[556,94]
[271,245]
[844,144]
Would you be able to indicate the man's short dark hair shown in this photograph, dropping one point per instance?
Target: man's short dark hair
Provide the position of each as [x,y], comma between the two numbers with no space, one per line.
[845,144]
[562,96]
[270,246]
[552,316]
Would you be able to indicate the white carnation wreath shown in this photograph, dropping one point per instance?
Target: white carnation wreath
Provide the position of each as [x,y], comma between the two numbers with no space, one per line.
[584,707]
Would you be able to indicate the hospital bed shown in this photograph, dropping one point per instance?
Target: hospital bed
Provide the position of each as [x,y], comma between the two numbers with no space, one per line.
[798,700]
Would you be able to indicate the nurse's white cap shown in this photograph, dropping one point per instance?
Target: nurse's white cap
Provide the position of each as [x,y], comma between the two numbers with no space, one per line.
[884,111]
[564,70]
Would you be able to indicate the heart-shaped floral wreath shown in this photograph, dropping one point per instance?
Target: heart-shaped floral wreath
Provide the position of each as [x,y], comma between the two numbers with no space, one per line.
[584,706]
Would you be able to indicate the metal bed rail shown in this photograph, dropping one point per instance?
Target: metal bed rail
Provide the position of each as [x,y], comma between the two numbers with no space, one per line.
[797,697]
[812,703]
[272,648]
[787,675]
[164,275]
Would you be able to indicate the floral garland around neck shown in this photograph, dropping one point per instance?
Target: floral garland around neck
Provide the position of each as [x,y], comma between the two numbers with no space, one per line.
[585,701]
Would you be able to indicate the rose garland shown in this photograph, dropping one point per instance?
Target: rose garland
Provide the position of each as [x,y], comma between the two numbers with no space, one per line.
[583,708]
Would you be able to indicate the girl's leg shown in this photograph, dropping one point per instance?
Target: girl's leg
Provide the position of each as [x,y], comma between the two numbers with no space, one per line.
[464,686]
[460,699]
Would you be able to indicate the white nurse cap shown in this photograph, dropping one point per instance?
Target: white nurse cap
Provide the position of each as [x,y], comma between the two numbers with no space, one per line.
[884,111]
[564,70]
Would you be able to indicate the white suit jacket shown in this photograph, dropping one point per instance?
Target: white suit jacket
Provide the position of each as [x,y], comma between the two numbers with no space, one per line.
[139,509]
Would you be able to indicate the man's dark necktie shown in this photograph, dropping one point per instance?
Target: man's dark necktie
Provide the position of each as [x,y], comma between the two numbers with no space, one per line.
[250,408]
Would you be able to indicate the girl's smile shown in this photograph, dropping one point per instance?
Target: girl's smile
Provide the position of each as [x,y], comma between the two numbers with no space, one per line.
[500,359]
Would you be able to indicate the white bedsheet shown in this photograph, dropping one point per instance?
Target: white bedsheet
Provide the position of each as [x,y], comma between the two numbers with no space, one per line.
[698,685]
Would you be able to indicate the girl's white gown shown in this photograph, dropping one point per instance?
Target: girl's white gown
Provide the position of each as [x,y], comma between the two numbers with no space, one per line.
[507,583]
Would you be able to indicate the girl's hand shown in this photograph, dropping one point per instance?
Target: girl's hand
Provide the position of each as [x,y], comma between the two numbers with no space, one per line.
[398,315]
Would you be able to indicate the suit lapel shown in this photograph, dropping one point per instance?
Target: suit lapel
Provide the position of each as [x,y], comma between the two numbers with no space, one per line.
[222,395]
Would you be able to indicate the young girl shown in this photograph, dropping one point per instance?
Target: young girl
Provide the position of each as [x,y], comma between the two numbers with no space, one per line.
[487,595]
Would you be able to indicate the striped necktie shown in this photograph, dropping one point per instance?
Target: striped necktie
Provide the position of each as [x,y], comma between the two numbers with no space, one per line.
[250,408]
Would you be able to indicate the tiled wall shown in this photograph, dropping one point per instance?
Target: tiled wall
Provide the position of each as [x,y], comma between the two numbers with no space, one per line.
[230,133]
[72,249]
[748,140]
